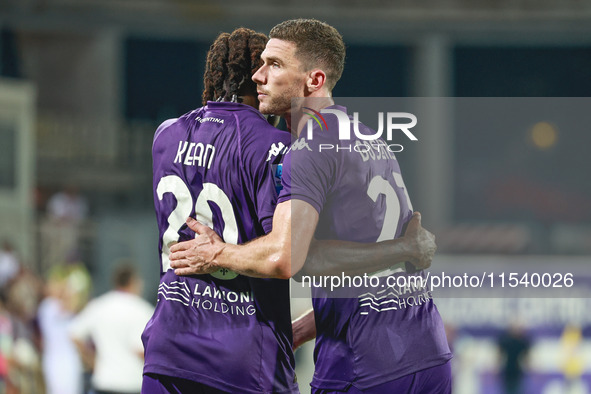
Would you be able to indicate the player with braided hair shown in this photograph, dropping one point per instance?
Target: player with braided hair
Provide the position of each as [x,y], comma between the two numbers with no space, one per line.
[231,61]
[215,69]
[219,332]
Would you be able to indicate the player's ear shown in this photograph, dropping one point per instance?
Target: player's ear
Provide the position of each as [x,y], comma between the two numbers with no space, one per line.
[316,80]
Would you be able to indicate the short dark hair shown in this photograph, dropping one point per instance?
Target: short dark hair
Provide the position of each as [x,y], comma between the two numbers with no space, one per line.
[231,62]
[317,45]
[124,274]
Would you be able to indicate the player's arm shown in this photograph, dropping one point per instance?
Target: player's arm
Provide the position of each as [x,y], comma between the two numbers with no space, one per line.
[278,254]
[304,329]
[284,251]
[329,257]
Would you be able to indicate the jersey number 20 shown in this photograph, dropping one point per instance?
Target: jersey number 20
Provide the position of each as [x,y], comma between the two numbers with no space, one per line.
[211,193]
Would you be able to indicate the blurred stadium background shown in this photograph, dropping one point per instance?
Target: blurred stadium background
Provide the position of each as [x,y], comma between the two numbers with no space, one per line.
[84,84]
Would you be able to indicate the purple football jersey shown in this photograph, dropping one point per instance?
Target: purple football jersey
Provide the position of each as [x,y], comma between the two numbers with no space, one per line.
[223,330]
[371,335]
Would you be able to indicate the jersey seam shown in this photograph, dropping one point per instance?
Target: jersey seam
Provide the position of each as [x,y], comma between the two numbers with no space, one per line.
[239,132]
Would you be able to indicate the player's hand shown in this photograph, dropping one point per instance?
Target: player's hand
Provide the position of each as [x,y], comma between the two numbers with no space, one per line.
[421,242]
[196,256]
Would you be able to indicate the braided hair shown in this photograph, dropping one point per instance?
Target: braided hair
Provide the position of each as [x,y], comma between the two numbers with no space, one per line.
[231,61]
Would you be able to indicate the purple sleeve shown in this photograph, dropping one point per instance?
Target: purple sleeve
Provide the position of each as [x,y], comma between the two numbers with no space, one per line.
[308,175]
[285,193]
[163,127]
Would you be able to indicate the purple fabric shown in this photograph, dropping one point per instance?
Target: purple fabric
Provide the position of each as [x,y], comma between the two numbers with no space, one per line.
[159,384]
[434,380]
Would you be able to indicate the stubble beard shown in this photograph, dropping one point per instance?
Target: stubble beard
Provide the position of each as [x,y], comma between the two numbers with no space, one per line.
[279,105]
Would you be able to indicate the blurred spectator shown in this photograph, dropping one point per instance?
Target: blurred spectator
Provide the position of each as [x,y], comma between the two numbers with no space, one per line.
[67,206]
[60,233]
[67,292]
[9,265]
[114,323]
[6,337]
[514,346]
[24,365]
[574,363]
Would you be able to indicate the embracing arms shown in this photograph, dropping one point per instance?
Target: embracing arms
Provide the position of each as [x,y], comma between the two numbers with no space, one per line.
[290,247]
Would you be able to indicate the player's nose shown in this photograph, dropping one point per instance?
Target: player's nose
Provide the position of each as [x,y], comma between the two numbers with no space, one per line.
[259,76]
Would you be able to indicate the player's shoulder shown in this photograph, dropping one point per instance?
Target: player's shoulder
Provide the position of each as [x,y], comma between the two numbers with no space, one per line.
[257,136]
[267,134]
[165,126]
[173,125]
[254,126]
[266,143]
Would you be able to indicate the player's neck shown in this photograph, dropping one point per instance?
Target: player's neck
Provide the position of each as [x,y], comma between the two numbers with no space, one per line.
[287,118]
[249,99]
[315,102]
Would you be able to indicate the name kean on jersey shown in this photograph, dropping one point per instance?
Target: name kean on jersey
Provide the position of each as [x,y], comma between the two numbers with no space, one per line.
[191,154]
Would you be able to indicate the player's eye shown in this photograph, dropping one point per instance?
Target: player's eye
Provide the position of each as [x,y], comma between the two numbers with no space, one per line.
[275,65]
